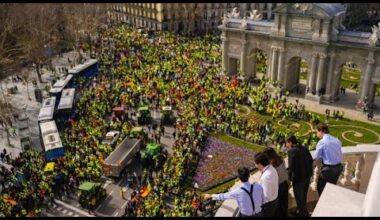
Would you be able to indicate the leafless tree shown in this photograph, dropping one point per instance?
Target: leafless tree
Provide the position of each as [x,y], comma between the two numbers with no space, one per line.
[25,75]
[6,117]
[83,22]
[10,49]
[40,32]
[27,30]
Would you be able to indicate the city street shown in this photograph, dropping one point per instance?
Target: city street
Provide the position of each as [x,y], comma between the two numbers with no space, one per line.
[114,205]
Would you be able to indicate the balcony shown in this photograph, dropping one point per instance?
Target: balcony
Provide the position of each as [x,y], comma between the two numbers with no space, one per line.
[356,193]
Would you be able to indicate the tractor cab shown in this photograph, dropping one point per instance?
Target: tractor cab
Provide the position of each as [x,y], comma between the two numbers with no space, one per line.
[119,113]
[139,133]
[90,194]
[152,154]
[49,168]
[167,115]
[143,115]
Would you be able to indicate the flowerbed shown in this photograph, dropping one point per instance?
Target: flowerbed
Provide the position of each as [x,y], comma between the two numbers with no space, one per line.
[222,166]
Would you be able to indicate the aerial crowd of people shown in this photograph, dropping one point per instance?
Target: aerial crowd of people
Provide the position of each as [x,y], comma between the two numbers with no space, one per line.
[163,69]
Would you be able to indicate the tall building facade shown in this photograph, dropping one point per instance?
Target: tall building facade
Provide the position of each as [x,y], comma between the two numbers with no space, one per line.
[182,17]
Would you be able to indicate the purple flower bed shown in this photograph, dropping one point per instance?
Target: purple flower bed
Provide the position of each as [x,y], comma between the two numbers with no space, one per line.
[226,159]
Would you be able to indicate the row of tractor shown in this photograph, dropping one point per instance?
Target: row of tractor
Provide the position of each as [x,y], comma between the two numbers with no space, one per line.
[135,145]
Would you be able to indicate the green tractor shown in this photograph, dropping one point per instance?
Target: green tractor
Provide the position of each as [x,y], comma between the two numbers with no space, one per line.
[167,115]
[153,155]
[91,194]
[143,115]
[139,133]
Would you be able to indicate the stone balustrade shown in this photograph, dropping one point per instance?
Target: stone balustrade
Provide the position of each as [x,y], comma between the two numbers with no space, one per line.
[358,164]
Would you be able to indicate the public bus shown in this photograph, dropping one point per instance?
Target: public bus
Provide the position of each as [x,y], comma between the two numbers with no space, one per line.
[47,110]
[51,140]
[59,86]
[66,104]
[86,69]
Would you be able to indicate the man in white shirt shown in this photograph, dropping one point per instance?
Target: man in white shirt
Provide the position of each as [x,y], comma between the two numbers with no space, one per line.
[249,197]
[269,182]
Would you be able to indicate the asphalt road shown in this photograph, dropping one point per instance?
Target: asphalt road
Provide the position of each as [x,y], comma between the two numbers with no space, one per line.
[65,208]
[114,204]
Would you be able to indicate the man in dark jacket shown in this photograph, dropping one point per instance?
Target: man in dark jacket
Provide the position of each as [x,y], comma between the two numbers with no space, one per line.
[300,170]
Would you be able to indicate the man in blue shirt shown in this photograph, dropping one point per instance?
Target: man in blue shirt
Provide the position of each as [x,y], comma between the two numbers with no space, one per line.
[249,197]
[329,151]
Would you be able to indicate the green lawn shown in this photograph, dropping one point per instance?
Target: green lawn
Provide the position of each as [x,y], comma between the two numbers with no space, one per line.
[293,125]
[354,132]
[303,75]
[370,133]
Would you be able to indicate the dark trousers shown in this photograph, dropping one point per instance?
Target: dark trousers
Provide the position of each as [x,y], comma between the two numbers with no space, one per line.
[328,175]
[283,190]
[269,208]
[300,193]
[255,215]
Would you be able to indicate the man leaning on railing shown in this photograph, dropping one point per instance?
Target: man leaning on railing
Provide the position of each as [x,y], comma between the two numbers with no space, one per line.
[250,197]
[329,151]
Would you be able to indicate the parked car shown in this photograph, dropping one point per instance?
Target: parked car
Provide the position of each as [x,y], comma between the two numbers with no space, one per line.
[111,138]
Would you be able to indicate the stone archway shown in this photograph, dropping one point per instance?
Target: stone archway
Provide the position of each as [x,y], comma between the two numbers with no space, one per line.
[233,64]
[373,92]
[298,75]
[180,27]
[313,30]
[347,75]
[257,62]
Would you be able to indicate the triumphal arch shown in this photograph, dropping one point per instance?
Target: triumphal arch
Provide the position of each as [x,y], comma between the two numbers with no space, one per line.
[309,31]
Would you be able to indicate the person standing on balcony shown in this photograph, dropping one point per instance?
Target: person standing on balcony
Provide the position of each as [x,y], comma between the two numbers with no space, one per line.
[300,170]
[269,182]
[250,197]
[279,164]
[329,151]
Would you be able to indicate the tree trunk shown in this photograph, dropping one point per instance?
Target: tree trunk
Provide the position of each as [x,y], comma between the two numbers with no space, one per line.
[38,73]
[79,55]
[27,90]
[2,91]
[8,138]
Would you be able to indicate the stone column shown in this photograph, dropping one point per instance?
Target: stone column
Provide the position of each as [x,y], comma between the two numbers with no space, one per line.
[330,75]
[274,64]
[280,72]
[371,94]
[243,56]
[276,25]
[367,76]
[224,52]
[269,11]
[282,25]
[325,27]
[313,73]
[243,9]
[321,71]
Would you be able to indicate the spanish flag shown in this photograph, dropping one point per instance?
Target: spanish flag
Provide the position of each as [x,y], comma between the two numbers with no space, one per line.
[144,191]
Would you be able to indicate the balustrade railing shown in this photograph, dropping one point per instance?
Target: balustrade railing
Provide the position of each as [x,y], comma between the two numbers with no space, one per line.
[357,162]
[357,168]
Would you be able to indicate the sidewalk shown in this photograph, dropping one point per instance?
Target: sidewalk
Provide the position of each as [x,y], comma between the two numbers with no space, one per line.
[31,107]
[346,104]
